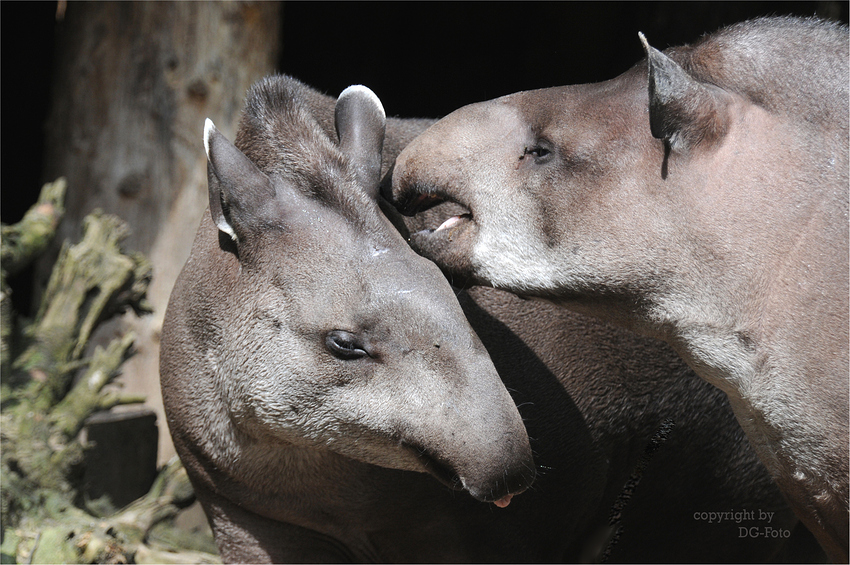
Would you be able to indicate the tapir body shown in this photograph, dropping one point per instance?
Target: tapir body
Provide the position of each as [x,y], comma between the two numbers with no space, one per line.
[700,198]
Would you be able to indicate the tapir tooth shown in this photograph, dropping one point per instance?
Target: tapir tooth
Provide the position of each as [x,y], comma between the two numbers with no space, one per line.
[454,220]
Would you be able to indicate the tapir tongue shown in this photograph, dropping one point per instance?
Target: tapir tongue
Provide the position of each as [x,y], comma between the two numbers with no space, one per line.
[504,501]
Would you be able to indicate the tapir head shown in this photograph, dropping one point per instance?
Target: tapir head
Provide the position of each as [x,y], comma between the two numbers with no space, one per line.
[551,191]
[311,324]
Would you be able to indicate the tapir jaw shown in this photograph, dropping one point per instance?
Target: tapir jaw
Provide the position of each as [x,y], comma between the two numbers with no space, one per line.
[450,244]
[492,462]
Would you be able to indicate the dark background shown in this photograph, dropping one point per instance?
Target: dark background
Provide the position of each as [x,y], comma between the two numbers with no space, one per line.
[422,59]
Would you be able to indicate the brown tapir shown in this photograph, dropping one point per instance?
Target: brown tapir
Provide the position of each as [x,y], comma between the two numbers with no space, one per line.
[307,350]
[701,198]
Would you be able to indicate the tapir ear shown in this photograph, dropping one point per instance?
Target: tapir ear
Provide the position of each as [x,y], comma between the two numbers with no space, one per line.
[682,111]
[360,123]
[238,190]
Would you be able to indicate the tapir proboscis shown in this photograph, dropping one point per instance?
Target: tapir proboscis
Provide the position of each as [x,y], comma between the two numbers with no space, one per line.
[312,363]
[700,198]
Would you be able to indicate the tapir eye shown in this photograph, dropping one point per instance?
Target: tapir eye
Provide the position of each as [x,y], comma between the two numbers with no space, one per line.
[540,152]
[345,345]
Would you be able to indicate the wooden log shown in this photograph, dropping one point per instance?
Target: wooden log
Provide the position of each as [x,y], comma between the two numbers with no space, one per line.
[20,244]
[65,534]
[133,146]
[120,458]
[26,240]
[91,281]
[41,451]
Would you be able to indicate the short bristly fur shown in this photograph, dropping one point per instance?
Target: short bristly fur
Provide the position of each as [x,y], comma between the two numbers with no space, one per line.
[287,494]
[700,198]
[303,327]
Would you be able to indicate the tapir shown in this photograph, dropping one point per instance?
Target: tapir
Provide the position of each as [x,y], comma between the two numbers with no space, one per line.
[313,366]
[302,319]
[700,198]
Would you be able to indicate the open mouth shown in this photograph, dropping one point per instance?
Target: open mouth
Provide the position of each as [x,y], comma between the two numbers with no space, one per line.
[435,212]
[454,221]
[419,203]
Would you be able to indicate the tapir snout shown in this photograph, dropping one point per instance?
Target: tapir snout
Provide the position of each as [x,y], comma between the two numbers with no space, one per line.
[456,418]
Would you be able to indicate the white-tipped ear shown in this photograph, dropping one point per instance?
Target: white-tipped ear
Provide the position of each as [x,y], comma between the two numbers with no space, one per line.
[238,190]
[214,184]
[221,222]
[360,124]
[359,89]
[643,41]
[209,128]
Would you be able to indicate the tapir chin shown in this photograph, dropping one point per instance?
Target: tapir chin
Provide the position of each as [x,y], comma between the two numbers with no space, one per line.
[700,198]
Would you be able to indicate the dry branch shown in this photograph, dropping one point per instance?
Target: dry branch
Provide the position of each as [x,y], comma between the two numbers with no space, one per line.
[51,388]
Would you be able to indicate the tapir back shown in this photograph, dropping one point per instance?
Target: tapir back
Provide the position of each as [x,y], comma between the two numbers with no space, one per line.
[786,65]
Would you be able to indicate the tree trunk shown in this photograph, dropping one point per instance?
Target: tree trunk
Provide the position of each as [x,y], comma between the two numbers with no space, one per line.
[133,84]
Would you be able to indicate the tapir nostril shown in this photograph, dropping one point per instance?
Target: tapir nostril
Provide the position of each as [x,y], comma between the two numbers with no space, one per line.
[521,480]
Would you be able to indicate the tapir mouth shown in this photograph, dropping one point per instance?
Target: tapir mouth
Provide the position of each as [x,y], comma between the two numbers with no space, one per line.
[441,470]
[452,214]
[414,202]
[445,473]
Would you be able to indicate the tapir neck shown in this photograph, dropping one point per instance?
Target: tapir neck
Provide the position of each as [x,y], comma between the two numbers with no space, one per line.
[313,489]
[721,267]
[749,284]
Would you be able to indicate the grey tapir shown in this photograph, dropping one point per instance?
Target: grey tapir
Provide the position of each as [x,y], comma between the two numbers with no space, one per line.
[302,319]
[701,198]
[295,429]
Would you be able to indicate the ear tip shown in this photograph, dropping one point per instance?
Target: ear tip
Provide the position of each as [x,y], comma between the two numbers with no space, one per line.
[643,41]
[364,91]
[355,88]
[209,129]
